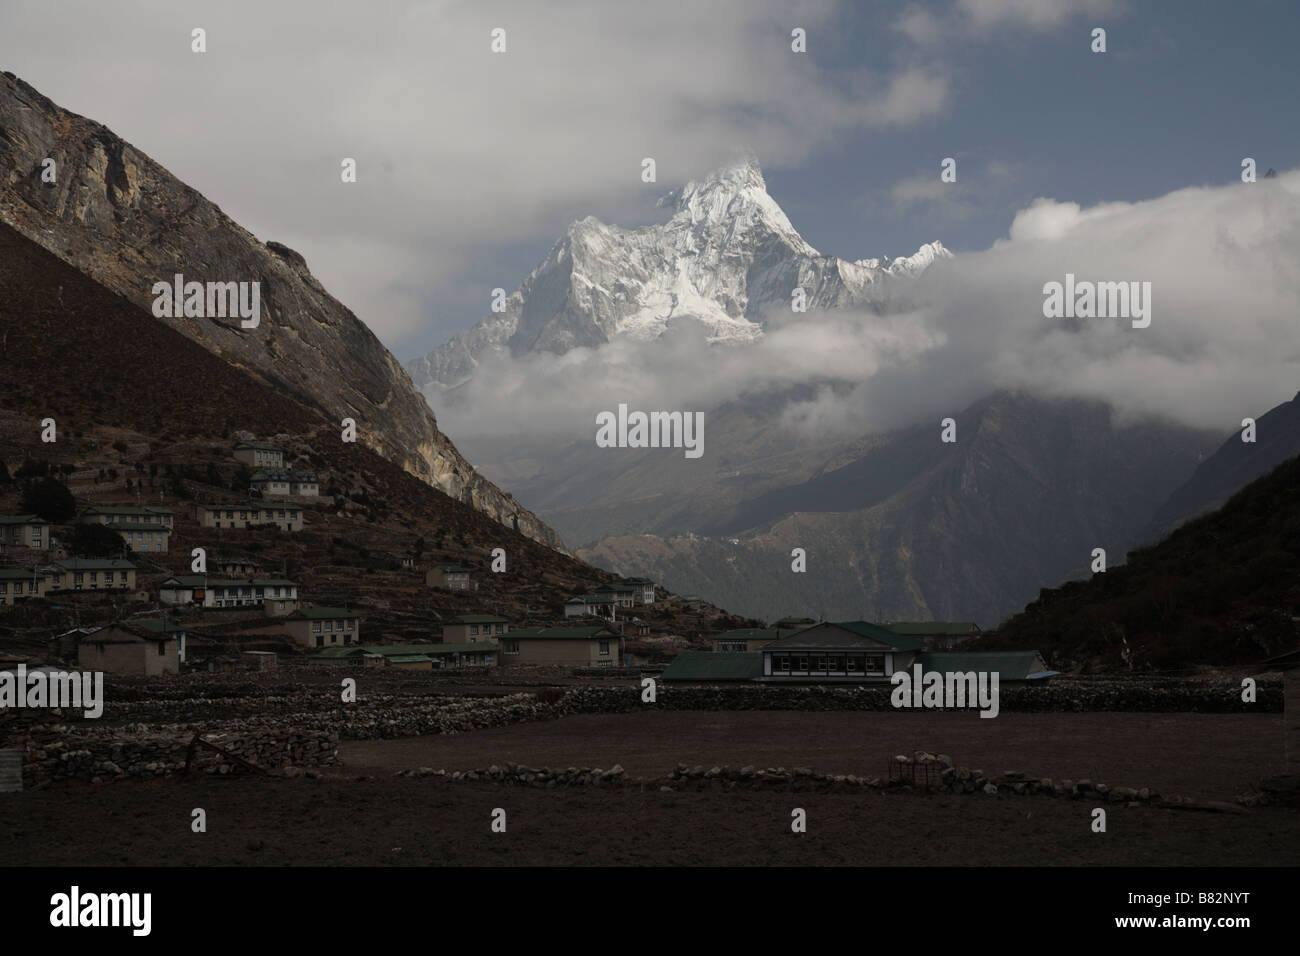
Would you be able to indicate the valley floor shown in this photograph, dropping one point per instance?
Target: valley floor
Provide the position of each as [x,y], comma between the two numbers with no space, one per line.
[362,814]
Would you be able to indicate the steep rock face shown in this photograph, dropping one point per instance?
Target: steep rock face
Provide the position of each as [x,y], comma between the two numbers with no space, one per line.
[121,218]
[726,256]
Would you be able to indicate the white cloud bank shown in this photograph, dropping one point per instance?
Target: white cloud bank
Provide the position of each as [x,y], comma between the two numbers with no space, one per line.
[1223,343]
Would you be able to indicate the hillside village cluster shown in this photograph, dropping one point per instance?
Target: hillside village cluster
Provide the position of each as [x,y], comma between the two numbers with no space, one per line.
[236,603]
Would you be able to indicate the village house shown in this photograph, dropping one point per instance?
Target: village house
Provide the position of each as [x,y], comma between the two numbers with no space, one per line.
[450,576]
[233,565]
[849,651]
[270,482]
[287,517]
[935,635]
[130,514]
[92,574]
[745,639]
[229,592]
[468,628]
[285,483]
[24,531]
[597,605]
[643,588]
[623,595]
[142,537]
[258,454]
[575,646]
[18,584]
[156,625]
[453,656]
[127,648]
[323,626]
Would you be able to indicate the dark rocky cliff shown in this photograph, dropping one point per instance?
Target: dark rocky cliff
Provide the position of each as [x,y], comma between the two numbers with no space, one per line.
[122,219]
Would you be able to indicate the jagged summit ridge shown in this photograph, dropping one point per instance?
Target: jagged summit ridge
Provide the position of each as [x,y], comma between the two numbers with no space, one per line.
[726,256]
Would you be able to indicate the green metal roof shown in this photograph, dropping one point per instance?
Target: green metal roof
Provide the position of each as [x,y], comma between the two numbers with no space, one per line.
[1008,665]
[843,634]
[21,519]
[637,582]
[453,569]
[16,574]
[136,526]
[199,580]
[708,666]
[259,446]
[94,564]
[953,628]
[561,633]
[480,619]
[127,510]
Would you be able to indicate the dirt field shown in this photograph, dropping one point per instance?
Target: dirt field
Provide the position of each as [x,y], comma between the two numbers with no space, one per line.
[426,821]
[363,815]
[1213,756]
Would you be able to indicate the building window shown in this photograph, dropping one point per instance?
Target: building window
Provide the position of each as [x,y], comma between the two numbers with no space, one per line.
[162,648]
[320,641]
[315,627]
[509,647]
[780,664]
[857,664]
[352,625]
[604,648]
[875,663]
[499,628]
[733,645]
[801,665]
[473,629]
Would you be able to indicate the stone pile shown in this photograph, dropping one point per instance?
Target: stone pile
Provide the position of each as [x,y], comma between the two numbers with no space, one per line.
[521,776]
[949,779]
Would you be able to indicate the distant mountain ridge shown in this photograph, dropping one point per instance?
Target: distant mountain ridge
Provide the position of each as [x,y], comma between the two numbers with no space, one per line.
[122,219]
[726,256]
[1231,468]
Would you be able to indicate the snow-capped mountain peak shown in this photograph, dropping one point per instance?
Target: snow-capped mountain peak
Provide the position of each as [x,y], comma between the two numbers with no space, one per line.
[726,256]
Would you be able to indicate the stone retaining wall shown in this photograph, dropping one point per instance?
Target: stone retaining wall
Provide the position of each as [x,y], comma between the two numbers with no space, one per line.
[1075,694]
[58,752]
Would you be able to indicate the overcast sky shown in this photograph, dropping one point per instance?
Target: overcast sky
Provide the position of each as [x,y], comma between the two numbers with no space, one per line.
[470,163]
